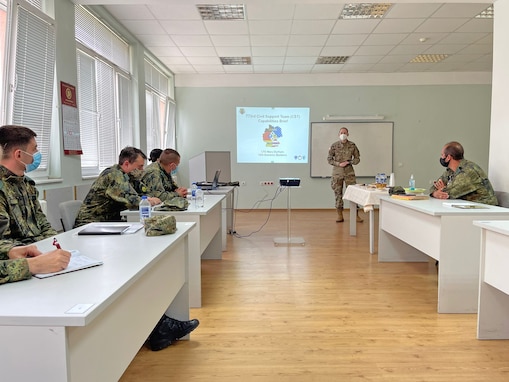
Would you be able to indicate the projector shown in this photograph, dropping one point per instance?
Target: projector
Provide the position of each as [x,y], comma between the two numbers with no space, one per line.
[289,182]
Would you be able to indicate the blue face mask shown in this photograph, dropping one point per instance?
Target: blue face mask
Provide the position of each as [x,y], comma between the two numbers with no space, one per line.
[37,156]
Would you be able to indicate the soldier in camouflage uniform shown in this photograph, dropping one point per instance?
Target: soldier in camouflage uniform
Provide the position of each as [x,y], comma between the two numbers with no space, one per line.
[343,154]
[157,177]
[21,218]
[462,179]
[113,191]
[154,156]
[23,261]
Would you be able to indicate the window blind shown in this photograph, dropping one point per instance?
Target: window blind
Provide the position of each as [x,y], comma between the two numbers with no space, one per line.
[34,76]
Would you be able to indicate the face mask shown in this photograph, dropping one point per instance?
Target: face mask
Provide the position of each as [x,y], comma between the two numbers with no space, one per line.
[443,162]
[136,174]
[37,157]
[343,137]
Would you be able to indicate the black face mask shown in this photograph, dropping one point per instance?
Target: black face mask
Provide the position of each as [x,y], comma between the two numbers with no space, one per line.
[443,162]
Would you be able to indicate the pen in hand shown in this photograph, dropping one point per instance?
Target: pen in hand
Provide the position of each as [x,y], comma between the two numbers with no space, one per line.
[56,243]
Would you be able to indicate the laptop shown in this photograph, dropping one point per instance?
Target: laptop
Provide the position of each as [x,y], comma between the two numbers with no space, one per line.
[211,186]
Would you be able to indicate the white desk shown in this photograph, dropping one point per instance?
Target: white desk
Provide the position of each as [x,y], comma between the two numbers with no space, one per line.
[205,240]
[141,278]
[367,197]
[493,315]
[228,205]
[411,230]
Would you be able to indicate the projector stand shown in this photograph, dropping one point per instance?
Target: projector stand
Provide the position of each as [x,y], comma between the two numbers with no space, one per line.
[289,240]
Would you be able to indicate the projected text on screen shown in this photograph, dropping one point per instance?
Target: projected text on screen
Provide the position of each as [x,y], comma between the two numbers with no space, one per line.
[272,135]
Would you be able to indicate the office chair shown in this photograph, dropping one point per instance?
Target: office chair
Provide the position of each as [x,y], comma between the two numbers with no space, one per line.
[68,212]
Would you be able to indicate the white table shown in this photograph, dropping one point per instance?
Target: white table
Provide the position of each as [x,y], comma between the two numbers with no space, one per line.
[412,230]
[205,240]
[493,315]
[368,197]
[141,278]
[228,205]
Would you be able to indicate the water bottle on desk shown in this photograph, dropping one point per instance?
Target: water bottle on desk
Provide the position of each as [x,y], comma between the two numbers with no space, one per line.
[200,202]
[411,183]
[145,209]
[194,187]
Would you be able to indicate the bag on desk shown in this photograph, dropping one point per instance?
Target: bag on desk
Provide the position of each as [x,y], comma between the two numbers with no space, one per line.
[174,204]
[160,225]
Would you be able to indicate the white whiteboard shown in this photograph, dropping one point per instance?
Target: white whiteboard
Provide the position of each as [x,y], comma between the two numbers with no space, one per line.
[373,139]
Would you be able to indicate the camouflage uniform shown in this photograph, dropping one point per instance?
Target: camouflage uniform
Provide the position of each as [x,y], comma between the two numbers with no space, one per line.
[340,152]
[468,182]
[111,193]
[14,270]
[159,183]
[22,221]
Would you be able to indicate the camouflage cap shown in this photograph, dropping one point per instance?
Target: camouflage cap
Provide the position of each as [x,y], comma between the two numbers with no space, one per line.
[160,225]
[176,203]
[396,190]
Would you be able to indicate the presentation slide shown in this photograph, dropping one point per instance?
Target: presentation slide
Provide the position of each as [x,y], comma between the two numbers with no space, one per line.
[272,134]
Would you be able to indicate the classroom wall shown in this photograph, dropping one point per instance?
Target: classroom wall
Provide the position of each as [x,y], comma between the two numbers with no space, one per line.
[425,117]
[499,137]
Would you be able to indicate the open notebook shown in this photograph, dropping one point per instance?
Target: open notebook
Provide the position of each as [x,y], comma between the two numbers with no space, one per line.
[78,261]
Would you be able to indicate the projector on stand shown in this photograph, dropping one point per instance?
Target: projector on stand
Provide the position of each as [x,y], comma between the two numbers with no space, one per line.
[289,182]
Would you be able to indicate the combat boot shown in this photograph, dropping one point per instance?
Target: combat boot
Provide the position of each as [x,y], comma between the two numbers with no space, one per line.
[340,215]
[359,219]
[169,330]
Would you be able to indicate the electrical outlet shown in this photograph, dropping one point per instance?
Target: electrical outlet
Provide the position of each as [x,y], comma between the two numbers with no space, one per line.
[242,183]
[266,183]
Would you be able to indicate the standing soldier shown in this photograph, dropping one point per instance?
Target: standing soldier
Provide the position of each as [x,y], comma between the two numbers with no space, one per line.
[343,154]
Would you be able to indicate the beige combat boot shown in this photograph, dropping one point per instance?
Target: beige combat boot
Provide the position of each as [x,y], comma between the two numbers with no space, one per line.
[340,215]
[359,219]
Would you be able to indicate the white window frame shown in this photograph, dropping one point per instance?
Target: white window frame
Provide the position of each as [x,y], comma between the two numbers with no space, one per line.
[160,118]
[106,117]
[30,85]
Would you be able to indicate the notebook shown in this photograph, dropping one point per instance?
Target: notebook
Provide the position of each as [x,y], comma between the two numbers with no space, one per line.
[211,186]
[110,229]
[77,262]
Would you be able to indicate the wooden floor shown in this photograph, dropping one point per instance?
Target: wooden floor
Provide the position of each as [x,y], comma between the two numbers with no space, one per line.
[326,311]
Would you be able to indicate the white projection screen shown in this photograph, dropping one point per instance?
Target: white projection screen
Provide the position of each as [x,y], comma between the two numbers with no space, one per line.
[272,134]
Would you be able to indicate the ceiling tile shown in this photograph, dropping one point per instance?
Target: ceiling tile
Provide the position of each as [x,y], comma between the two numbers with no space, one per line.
[144,27]
[229,40]
[264,27]
[297,32]
[131,12]
[183,27]
[312,26]
[232,27]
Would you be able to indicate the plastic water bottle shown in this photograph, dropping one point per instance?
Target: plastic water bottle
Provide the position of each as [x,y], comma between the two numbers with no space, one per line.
[199,198]
[194,187]
[145,209]
[411,182]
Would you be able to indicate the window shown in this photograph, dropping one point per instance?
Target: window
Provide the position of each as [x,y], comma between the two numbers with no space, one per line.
[31,75]
[104,93]
[3,30]
[160,109]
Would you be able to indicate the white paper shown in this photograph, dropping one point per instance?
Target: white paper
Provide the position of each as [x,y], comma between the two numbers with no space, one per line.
[77,262]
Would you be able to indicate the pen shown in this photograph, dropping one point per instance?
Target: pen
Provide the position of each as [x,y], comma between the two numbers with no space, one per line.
[56,243]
